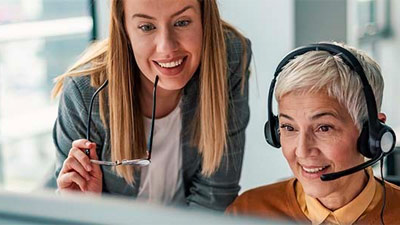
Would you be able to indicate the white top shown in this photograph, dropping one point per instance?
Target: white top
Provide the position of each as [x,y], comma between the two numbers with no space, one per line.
[161,181]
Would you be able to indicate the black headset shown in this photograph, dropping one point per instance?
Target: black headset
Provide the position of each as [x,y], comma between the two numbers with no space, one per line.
[376,139]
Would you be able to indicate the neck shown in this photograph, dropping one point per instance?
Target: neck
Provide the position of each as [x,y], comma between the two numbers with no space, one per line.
[352,189]
[167,100]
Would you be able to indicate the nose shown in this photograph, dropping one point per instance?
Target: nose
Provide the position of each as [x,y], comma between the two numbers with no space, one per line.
[305,145]
[167,41]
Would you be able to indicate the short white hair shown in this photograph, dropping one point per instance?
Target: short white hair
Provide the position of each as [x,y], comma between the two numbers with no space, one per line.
[317,71]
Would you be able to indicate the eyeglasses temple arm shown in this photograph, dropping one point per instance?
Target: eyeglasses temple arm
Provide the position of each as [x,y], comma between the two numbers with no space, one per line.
[87,151]
[150,144]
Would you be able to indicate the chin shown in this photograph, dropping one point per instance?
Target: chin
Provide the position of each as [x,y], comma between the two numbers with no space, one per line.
[173,84]
[316,190]
[172,87]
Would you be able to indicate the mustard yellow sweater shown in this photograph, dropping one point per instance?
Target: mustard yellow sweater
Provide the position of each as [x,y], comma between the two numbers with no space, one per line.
[278,201]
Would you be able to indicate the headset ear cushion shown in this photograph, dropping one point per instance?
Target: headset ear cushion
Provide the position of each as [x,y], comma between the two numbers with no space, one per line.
[363,142]
[387,140]
[271,132]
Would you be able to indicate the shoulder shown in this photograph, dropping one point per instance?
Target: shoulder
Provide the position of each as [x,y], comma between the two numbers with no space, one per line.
[392,204]
[393,192]
[274,190]
[265,200]
[78,89]
[236,47]
[78,85]
[77,82]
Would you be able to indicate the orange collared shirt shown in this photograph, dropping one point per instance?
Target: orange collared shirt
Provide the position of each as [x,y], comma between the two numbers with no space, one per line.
[348,214]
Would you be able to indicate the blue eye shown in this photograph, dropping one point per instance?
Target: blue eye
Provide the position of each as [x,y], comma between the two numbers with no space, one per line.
[147,27]
[182,23]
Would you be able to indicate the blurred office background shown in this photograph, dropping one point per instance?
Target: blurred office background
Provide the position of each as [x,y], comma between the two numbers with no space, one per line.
[40,39]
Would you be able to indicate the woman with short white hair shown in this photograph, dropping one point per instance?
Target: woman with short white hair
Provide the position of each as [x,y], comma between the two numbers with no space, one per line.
[322,114]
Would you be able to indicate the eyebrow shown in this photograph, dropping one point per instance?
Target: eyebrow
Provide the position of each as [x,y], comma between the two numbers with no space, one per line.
[152,18]
[322,114]
[285,116]
[314,117]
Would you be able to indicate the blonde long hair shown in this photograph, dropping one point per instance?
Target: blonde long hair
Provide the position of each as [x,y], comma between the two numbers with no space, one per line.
[113,59]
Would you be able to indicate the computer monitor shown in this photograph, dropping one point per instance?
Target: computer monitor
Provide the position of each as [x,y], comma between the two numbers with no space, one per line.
[45,208]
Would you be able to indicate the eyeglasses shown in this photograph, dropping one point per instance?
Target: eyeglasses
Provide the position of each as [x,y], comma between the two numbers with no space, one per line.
[134,162]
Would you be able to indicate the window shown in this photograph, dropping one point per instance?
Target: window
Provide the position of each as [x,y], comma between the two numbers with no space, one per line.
[39,40]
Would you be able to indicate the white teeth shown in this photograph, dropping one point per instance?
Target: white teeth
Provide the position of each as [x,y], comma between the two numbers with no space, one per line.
[313,170]
[171,64]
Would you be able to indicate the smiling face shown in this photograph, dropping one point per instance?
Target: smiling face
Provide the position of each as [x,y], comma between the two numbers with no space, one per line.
[166,38]
[318,136]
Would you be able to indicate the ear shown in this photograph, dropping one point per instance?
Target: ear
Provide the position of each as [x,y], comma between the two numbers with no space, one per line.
[382,117]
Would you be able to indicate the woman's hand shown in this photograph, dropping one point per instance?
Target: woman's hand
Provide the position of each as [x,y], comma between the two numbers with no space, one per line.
[78,173]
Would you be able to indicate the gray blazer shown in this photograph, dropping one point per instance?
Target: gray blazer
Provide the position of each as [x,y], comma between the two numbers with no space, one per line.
[214,192]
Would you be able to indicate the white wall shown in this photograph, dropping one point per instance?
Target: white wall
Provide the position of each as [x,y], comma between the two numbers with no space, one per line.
[388,57]
[269,26]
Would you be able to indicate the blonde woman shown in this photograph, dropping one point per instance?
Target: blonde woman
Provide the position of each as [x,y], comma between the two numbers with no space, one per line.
[173,61]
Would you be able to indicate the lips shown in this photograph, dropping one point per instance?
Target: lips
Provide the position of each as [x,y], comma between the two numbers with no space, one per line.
[170,64]
[170,67]
[313,171]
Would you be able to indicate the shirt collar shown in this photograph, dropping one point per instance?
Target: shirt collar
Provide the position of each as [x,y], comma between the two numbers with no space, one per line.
[347,214]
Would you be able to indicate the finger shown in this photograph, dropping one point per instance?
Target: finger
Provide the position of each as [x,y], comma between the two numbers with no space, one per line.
[93,151]
[82,144]
[82,158]
[95,169]
[86,145]
[67,179]
[72,164]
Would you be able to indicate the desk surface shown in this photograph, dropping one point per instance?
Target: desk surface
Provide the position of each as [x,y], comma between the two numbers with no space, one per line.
[46,208]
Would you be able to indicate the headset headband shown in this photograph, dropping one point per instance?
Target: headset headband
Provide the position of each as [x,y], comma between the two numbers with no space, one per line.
[349,59]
